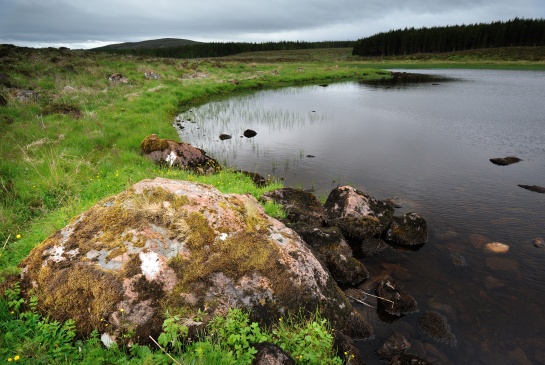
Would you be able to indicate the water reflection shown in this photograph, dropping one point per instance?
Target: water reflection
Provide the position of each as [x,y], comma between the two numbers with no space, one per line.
[429,146]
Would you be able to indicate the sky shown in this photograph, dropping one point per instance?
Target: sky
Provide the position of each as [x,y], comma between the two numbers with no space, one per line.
[78,24]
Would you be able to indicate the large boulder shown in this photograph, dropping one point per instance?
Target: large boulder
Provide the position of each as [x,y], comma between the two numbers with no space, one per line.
[178,246]
[357,214]
[177,154]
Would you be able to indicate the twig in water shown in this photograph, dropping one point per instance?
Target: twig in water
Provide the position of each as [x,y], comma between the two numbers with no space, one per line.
[359,301]
[374,296]
[162,349]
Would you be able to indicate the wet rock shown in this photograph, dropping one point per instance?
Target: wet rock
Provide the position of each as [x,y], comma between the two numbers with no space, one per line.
[151,75]
[504,161]
[534,188]
[170,244]
[331,248]
[395,300]
[299,205]
[270,354]
[373,246]
[224,136]
[435,325]
[478,240]
[496,247]
[118,78]
[538,242]
[177,154]
[395,345]
[408,359]
[357,214]
[445,233]
[409,230]
[347,349]
[249,133]
[457,259]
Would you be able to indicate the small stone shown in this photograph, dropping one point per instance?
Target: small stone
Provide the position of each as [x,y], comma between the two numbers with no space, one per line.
[496,247]
[224,136]
[395,345]
[538,242]
[504,161]
[249,133]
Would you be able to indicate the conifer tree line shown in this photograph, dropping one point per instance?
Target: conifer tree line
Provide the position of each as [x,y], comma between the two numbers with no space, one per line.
[217,49]
[513,33]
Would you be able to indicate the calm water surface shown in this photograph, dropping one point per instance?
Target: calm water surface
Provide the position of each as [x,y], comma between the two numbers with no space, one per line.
[429,146]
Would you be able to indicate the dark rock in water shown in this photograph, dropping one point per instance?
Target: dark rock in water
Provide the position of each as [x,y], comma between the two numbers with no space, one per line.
[299,205]
[323,85]
[177,154]
[504,161]
[408,359]
[396,301]
[269,354]
[331,248]
[357,327]
[409,230]
[395,345]
[249,133]
[457,259]
[373,246]
[311,156]
[538,242]
[256,178]
[346,347]
[224,136]
[358,215]
[435,325]
[534,188]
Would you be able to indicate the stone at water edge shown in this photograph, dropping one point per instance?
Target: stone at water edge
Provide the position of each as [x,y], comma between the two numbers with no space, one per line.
[357,214]
[179,245]
[395,345]
[249,133]
[408,230]
[435,325]
[504,161]
[538,242]
[393,299]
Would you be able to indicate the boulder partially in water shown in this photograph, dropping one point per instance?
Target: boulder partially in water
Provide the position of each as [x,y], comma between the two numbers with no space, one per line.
[394,300]
[408,230]
[534,188]
[395,345]
[504,161]
[184,246]
[357,214]
[435,325]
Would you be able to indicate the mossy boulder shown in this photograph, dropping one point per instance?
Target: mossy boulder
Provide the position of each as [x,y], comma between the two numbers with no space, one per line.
[408,230]
[178,246]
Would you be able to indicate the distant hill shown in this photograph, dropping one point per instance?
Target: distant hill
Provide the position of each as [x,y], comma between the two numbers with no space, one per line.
[150,44]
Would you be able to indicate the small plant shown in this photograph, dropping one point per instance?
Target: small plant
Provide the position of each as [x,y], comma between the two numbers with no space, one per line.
[173,334]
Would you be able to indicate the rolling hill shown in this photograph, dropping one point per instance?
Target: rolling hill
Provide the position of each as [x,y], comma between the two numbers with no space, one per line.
[153,43]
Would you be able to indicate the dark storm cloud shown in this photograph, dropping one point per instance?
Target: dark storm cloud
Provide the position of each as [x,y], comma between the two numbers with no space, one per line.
[73,22]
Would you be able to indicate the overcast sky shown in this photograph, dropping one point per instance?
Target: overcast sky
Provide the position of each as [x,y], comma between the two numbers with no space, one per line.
[93,23]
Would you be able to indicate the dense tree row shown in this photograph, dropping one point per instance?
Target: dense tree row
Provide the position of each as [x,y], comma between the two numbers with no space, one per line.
[205,50]
[516,32]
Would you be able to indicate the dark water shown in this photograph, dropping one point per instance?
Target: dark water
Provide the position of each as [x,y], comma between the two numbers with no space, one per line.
[429,146]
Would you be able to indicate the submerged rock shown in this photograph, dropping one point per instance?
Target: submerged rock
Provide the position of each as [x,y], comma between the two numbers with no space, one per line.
[408,359]
[435,325]
[394,299]
[457,259]
[496,247]
[178,245]
[224,136]
[177,154]
[504,161]
[395,345]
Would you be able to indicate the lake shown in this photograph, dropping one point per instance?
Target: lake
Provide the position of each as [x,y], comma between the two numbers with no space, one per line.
[428,145]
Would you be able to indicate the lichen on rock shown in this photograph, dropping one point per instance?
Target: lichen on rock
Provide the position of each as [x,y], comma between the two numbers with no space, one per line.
[178,246]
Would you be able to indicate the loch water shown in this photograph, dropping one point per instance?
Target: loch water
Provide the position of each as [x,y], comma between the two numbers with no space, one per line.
[428,146]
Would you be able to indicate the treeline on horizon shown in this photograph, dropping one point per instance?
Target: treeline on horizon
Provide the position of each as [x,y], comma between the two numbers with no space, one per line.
[217,49]
[513,33]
